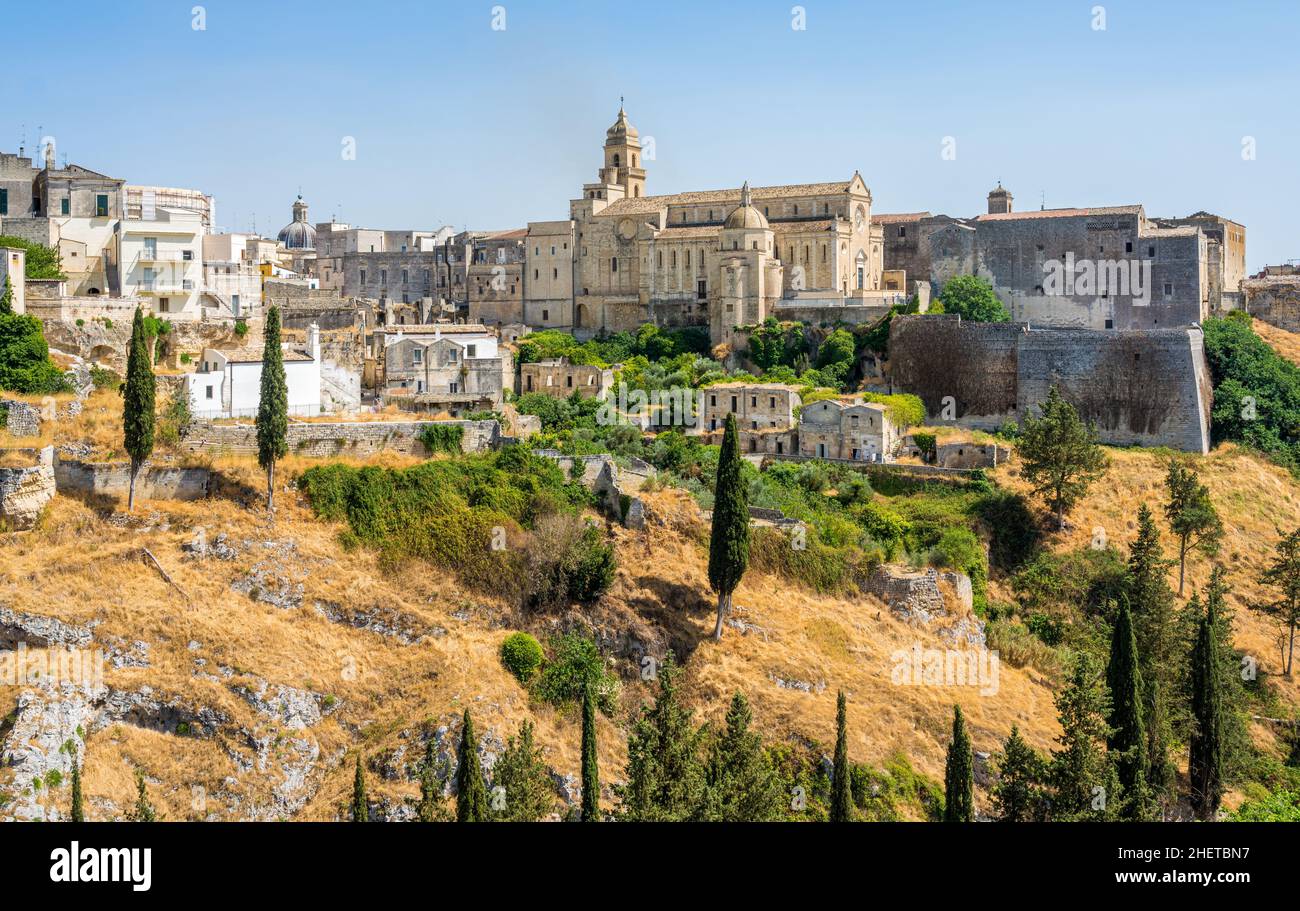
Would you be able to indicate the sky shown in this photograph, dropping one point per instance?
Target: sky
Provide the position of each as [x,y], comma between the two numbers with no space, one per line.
[489,115]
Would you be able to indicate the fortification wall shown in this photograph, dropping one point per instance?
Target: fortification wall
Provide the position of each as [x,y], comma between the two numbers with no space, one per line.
[974,364]
[1140,387]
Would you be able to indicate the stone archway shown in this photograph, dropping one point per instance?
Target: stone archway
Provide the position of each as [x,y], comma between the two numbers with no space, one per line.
[582,317]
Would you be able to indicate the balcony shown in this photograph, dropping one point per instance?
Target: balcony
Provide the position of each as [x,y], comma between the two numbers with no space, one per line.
[162,256]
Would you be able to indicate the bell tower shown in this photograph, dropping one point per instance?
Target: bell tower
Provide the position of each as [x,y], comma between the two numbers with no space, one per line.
[623,156]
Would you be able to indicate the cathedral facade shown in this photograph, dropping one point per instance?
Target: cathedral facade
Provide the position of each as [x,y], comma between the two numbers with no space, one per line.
[721,258]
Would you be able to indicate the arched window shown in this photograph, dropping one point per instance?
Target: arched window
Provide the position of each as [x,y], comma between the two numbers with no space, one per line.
[636,191]
[616,159]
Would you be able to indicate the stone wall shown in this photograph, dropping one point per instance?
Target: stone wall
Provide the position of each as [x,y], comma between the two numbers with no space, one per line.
[350,438]
[1140,387]
[25,489]
[1275,300]
[113,479]
[21,419]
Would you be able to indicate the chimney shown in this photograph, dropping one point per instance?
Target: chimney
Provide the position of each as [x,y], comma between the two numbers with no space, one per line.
[313,341]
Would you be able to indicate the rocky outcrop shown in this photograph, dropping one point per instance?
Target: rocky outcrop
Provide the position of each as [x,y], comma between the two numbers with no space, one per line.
[24,491]
[39,632]
[21,419]
[918,598]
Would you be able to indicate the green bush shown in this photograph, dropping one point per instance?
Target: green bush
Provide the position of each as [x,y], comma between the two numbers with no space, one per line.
[241,328]
[1281,806]
[522,656]
[575,662]
[1257,391]
[442,437]
[103,378]
[25,364]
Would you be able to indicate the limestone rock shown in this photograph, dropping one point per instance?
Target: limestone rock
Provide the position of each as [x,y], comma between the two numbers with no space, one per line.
[24,492]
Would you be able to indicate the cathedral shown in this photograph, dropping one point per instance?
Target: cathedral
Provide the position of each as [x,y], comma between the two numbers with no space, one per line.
[721,258]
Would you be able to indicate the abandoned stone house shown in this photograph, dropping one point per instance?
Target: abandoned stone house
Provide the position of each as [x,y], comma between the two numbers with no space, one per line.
[765,415]
[1091,268]
[847,428]
[495,278]
[559,378]
[454,368]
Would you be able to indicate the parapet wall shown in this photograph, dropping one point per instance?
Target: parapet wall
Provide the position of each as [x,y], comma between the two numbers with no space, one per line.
[1140,387]
[352,438]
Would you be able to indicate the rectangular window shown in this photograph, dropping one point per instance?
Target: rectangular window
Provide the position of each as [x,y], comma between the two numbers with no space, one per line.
[613,264]
[101,205]
[187,255]
[546,314]
[4,202]
[417,356]
[471,350]
[209,392]
[65,206]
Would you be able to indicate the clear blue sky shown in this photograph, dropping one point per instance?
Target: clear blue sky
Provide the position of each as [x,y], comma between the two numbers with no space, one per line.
[457,123]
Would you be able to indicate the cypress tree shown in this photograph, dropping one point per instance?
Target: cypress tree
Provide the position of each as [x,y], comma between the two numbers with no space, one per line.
[742,784]
[590,767]
[1017,796]
[1205,760]
[1081,770]
[471,793]
[138,394]
[841,785]
[521,779]
[1127,739]
[1151,602]
[729,539]
[959,774]
[360,806]
[272,405]
[78,811]
[143,810]
[665,776]
[427,809]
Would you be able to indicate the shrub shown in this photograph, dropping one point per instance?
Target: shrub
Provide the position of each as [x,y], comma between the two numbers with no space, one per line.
[175,421]
[241,328]
[927,444]
[973,299]
[25,364]
[442,437]
[522,656]
[103,378]
[575,662]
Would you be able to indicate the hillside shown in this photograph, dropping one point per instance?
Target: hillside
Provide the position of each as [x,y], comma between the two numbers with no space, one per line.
[245,685]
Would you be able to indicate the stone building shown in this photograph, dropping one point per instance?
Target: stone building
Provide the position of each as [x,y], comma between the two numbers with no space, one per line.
[1274,296]
[495,278]
[848,428]
[1091,268]
[73,209]
[452,367]
[755,405]
[13,277]
[682,259]
[559,378]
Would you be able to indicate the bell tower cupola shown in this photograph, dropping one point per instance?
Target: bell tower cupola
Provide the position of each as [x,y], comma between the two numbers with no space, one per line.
[623,156]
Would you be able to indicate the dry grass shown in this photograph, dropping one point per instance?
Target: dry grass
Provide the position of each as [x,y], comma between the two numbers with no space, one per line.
[1257,500]
[1284,343]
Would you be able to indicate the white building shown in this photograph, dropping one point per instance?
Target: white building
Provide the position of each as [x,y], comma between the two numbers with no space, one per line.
[232,273]
[13,275]
[229,383]
[161,259]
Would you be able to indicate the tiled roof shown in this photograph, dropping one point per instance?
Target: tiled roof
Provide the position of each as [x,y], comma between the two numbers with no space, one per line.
[894,217]
[641,204]
[1062,213]
[253,355]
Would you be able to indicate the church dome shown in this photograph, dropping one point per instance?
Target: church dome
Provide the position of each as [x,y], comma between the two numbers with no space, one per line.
[745,216]
[298,234]
[621,129]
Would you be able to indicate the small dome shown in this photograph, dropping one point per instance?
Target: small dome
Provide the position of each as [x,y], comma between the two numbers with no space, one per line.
[298,234]
[621,129]
[745,216]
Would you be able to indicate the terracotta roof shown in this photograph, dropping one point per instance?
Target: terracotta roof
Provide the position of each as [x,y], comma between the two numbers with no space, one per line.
[893,217]
[253,354]
[690,231]
[431,328]
[1062,213]
[638,204]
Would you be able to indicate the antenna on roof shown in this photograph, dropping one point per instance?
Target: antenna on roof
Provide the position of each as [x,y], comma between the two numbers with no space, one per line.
[1043,200]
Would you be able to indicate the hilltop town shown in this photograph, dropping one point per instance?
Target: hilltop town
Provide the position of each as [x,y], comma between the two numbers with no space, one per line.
[301,507]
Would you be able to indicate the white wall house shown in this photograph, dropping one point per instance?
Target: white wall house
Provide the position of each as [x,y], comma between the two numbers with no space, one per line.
[13,275]
[232,275]
[161,259]
[228,384]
